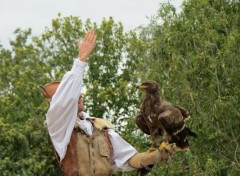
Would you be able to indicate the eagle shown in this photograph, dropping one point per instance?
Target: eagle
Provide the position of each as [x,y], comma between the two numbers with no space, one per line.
[158,117]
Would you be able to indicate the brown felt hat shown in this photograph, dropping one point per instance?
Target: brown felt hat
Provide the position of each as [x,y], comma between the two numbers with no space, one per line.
[49,89]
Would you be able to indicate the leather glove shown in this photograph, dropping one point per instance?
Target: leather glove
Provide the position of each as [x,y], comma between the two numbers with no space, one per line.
[142,160]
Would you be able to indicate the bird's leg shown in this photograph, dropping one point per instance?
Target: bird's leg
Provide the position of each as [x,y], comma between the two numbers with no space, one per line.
[164,141]
[154,136]
[153,147]
[163,144]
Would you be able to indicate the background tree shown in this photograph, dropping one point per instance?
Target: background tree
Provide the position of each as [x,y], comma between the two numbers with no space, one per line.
[195,57]
[34,61]
[23,136]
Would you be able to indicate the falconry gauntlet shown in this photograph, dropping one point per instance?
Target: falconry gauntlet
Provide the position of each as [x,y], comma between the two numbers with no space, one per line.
[141,160]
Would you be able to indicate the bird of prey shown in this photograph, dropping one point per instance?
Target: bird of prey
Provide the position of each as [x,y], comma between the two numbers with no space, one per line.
[161,118]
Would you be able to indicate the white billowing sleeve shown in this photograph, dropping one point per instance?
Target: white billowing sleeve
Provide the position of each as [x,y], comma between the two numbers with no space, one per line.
[62,114]
[122,152]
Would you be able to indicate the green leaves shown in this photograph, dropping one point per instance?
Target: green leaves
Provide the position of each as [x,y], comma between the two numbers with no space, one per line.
[194,55]
[34,61]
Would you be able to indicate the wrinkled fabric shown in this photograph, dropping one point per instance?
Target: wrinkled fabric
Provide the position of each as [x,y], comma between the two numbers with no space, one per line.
[62,116]
[87,155]
[122,150]
[62,113]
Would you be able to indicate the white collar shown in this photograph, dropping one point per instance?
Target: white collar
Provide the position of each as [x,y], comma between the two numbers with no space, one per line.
[86,116]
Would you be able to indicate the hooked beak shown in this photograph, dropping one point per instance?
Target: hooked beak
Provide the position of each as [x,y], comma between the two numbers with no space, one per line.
[140,86]
[137,86]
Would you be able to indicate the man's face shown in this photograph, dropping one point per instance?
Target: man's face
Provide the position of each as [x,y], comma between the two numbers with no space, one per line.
[80,104]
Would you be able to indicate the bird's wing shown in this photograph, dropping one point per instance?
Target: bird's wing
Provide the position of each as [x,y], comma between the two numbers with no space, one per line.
[184,112]
[141,123]
[171,119]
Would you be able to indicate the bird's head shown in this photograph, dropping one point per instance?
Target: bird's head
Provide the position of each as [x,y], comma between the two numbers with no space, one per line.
[149,86]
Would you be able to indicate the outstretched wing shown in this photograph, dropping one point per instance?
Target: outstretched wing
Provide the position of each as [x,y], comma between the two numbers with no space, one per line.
[141,123]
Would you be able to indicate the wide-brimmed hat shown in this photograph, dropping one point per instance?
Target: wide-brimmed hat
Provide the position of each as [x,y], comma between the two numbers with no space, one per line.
[49,89]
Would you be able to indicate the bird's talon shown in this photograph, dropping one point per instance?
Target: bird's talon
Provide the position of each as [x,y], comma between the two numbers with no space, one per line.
[152,149]
[163,145]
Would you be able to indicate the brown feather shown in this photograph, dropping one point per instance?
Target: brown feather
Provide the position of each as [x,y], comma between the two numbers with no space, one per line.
[158,117]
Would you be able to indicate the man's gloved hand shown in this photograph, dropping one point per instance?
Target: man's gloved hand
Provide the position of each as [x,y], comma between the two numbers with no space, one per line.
[141,160]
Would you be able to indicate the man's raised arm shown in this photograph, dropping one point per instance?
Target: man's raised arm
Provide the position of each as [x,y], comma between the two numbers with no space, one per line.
[87,45]
[62,113]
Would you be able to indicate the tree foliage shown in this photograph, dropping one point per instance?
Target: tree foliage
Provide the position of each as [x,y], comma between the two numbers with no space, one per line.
[36,60]
[194,55]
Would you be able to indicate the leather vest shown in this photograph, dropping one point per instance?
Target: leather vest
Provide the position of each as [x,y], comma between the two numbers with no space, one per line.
[88,155]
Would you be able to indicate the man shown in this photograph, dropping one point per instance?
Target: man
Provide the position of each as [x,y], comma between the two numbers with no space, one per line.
[88,146]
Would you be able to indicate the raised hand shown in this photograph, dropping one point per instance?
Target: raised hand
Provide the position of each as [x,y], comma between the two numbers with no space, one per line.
[85,48]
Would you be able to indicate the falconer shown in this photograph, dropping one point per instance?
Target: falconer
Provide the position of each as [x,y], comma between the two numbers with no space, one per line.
[88,146]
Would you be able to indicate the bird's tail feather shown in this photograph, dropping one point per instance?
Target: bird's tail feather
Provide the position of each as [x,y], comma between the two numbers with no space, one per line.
[181,144]
[181,138]
[191,133]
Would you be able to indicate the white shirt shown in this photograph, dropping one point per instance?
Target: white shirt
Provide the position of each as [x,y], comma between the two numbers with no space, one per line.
[62,116]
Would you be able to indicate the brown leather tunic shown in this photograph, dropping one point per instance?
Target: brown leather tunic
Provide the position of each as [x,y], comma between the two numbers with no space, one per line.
[88,156]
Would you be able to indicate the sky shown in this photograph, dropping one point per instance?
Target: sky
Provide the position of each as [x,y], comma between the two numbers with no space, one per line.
[38,14]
